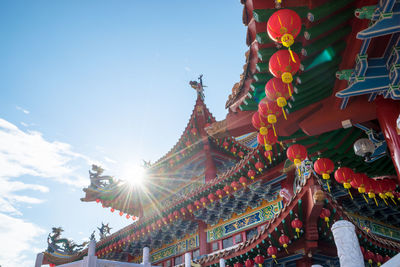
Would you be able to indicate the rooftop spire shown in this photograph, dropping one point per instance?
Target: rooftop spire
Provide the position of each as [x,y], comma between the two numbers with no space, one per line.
[198,86]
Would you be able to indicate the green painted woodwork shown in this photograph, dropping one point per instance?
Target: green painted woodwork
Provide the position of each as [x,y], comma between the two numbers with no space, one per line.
[307,76]
[322,43]
[262,77]
[327,9]
[334,50]
[365,12]
[262,67]
[328,25]
[303,90]
[292,107]
[262,15]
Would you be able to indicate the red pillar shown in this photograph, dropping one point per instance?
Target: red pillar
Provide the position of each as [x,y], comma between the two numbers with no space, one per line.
[204,247]
[387,111]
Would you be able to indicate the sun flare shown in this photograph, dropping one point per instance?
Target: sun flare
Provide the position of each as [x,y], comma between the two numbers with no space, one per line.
[133,174]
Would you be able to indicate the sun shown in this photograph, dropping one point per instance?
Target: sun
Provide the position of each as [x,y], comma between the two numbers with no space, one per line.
[133,174]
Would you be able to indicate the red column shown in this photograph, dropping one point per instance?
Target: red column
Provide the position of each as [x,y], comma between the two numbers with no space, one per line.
[210,171]
[387,111]
[204,247]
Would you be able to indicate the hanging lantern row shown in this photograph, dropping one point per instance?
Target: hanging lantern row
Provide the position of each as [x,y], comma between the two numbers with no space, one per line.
[121,213]
[233,148]
[272,251]
[372,257]
[384,188]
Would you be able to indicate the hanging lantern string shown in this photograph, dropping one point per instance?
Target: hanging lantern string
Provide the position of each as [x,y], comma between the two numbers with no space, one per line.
[291,54]
[290,91]
[365,198]
[393,201]
[284,114]
[329,188]
[350,194]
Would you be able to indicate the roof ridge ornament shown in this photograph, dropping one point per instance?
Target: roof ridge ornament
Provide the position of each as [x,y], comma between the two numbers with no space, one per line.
[198,86]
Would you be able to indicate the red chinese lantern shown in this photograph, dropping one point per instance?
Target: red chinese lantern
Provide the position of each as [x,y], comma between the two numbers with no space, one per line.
[358,182]
[249,263]
[211,197]
[170,217]
[148,228]
[276,90]
[284,241]
[390,187]
[325,214]
[270,110]
[387,258]
[183,211]
[143,231]
[378,259]
[241,154]
[272,251]
[190,208]
[297,224]
[283,65]
[154,226]
[52,265]
[370,189]
[238,264]
[233,150]
[220,193]
[283,27]
[243,180]
[259,166]
[268,154]
[324,167]
[112,209]
[235,185]
[204,201]
[380,190]
[128,216]
[176,214]
[227,189]
[121,213]
[267,138]
[259,121]
[197,204]
[344,176]
[159,223]
[251,173]
[97,200]
[369,256]
[296,153]
[259,259]
[188,143]
[225,144]
[193,131]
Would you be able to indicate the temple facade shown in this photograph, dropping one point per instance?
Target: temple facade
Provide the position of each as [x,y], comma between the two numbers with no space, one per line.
[305,168]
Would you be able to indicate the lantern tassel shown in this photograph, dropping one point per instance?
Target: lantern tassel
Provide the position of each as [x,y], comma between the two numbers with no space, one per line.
[385,201]
[376,202]
[393,201]
[365,198]
[291,55]
[290,91]
[284,114]
[275,261]
[329,188]
[286,251]
[273,127]
[350,194]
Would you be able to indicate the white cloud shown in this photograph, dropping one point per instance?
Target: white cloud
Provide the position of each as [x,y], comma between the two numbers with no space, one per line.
[17,238]
[110,160]
[22,109]
[188,69]
[26,156]
[24,124]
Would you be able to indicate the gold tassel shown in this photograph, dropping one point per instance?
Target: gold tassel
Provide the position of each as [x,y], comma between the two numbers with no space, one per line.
[365,198]
[284,114]
[273,127]
[291,54]
[290,91]
[329,188]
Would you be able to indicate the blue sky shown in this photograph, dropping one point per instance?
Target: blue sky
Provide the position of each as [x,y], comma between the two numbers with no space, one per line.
[104,82]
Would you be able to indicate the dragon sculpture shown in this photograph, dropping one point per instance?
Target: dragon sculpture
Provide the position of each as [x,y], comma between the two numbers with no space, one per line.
[97,179]
[63,246]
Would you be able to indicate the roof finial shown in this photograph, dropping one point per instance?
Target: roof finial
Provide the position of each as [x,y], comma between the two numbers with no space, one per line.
[198,86]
